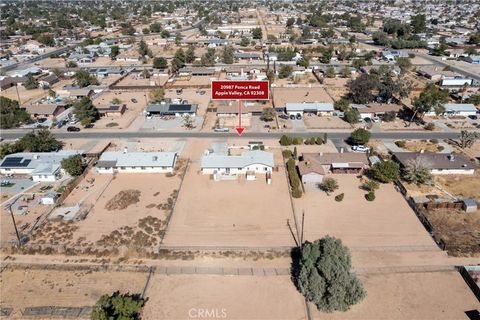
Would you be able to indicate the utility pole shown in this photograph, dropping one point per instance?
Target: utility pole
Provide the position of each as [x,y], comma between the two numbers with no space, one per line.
[18,95]
[15,225]
[293,234]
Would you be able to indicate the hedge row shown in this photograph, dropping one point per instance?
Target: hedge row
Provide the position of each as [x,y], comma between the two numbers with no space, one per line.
[294,179]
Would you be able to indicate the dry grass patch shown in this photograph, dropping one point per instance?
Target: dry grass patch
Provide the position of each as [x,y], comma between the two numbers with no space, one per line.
[123,199]
[462,185]
[426,145]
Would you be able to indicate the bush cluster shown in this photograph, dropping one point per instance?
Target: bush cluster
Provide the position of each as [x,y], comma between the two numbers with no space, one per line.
[294,179]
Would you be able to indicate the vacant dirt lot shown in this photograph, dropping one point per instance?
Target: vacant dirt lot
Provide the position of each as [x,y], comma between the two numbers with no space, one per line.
[316,122]
[139,224]
[231,213]
[360,223]
[240,297]
[35,288]
[434,295]
[461,185]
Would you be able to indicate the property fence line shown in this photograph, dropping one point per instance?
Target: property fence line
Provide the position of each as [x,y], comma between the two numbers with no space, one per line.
[470,281]
[169,217]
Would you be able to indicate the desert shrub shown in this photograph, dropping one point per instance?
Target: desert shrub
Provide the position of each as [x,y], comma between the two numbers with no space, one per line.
[339,197]
[400,143]
[370,196]
[385,171]
[112,124]
[329,185]
[371,185]
[429,126]
[287,154]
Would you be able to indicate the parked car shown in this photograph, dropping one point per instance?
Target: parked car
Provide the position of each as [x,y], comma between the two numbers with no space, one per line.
[376,119]
[360,148]
[221,129]
[73,129]
[267,126]
[179,91]
[283,116]
[201,92]
[473,117]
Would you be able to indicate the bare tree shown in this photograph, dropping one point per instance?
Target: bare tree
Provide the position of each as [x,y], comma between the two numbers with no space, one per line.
[418,171]
[467,139]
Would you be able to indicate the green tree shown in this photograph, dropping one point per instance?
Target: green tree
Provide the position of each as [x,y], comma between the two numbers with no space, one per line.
[417,171]
[330,73]
[178,60]
[83,79]
[71,64]
[418,23]
[404,64]
[385,171]
[85,111]
[371,185]
[257,33]
[165,34]
[228,56]
[73,165]
[39,141]
[208,58]
[143,48]
[341,105]
[351,116]
[360,136]
[285,140]
[118,306]
[51,93]
[11,115]
[285,71]
[160,63]
[329,185]
[290,22]
[114,51]
[475,99]
[30,83]
[431,99]
[244,42]
[155,27]
[190,54]
[467,139]
[361,89]
[327,54]
[322,274]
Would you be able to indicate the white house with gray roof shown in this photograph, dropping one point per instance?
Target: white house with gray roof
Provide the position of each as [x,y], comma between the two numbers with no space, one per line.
[457,109]
[321,108]
[41,166]
[248,162]
[138,162]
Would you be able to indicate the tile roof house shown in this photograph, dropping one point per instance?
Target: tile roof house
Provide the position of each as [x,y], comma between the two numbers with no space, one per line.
[440,163]
[143,162]
[314,166]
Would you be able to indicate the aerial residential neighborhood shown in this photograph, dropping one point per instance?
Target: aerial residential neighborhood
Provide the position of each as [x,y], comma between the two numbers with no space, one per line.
[259,159]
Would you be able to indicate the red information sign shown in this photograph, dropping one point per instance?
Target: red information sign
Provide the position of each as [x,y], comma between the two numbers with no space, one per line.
[239,90]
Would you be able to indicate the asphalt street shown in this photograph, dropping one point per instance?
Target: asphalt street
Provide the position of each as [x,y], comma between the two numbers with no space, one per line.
[14,134]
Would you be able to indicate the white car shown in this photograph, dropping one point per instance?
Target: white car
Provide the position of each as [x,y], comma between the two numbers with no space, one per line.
[360,148]
[376,119]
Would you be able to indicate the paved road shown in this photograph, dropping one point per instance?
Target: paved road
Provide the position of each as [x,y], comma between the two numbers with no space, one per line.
[85,134]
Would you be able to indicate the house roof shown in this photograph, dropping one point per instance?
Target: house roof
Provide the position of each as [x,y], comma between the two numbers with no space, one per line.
[309,106]
[459,107]
[377,107]
[38,161]
[44,108]
[51,78]
[245,159]
[329,158]
[136,159]
[439,161]
[171,108]
[197,70]
[233,109]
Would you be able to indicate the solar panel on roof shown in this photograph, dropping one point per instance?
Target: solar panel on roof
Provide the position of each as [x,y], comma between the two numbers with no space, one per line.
[179,107]
[15,162]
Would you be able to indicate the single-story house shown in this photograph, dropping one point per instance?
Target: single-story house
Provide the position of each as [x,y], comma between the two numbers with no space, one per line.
[112,110]
[75,92]
[41,166]
[322,108]
[9,82]
[474,59]
[196,71]
[256,161]
[435,73]
[314,166]
[148,162]
[228,110]
[457,81]
[48,81]
[175,109]
[376,109]
[440,163]
[391,55]
[247,56]
[457,109]
[47,110]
